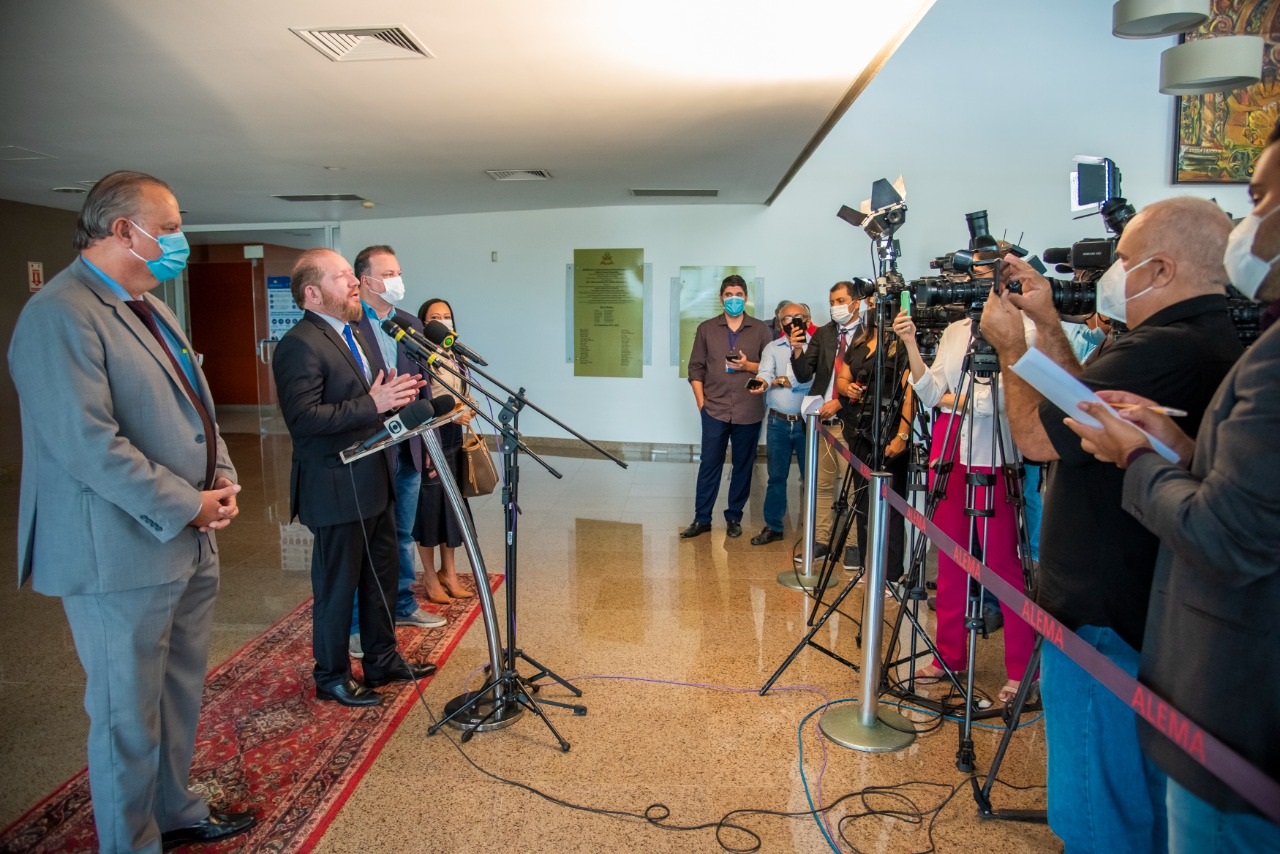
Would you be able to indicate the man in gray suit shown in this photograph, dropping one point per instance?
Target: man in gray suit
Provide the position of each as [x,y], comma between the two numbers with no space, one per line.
[124,481]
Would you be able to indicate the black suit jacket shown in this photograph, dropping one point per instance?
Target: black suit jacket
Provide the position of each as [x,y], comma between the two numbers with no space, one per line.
[404,365]
[326,405]
[818,360]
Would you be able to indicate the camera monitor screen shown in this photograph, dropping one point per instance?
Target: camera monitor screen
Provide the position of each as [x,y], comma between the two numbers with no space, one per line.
[1094,181]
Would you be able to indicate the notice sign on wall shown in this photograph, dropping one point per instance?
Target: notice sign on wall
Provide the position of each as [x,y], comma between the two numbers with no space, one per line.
[282,312]
[608,312]
[35,276]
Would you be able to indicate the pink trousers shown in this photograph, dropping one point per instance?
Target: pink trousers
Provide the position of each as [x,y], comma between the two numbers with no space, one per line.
[1000,552]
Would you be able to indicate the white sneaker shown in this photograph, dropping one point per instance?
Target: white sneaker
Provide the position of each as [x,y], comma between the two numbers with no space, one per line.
[423,619]
[354,647]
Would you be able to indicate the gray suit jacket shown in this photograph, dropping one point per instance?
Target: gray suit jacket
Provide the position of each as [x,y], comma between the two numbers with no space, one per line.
[113,456]
[1212,640]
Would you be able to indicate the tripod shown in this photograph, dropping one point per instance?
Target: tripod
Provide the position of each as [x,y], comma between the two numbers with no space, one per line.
[879,410]
[506,694]
[980,367]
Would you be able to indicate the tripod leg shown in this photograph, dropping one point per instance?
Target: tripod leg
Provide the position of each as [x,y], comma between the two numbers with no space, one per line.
[543,670]
[808,638]
[1013,716]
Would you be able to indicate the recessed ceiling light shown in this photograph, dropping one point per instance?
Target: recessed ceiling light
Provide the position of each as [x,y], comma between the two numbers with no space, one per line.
[69,189]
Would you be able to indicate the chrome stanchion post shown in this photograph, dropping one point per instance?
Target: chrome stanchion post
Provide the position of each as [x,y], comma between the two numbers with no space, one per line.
[805,579]
[869,727]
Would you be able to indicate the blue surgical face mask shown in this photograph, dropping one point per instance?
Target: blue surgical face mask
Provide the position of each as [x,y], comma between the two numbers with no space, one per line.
[734,306]
[174,251]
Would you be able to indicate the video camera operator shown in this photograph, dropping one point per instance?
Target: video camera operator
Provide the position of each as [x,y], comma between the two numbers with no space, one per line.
[1210,635]
[1096,563]
[855,387]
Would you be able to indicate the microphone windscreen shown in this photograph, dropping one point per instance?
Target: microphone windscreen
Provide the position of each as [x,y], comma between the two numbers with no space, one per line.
[417,413]
[1057,255]
[442,404]
[439,334]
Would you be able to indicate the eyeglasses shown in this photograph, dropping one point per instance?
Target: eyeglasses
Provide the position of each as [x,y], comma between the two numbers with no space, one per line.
[792,318]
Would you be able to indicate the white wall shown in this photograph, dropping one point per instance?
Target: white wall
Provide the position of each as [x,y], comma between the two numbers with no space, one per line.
[982,107]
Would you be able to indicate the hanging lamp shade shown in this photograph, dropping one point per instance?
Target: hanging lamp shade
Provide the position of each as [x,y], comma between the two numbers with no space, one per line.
[1211,65]
[1149,19]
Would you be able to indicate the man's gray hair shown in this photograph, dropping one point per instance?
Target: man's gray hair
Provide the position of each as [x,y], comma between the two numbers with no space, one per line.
[113,197]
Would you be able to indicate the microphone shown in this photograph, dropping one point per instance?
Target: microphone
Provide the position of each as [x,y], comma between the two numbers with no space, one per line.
[1057,255]
[410,417]
[442,336]
[410,338]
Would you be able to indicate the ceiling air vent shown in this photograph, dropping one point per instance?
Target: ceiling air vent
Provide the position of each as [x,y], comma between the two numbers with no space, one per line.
[518,174]
[674,194]
[320,197]
[363,44]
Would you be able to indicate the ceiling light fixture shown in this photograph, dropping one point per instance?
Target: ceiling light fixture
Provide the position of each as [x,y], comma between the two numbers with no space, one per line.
[1217,64]
[1149,19]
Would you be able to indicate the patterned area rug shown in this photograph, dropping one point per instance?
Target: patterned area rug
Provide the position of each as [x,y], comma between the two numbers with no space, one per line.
[265,744]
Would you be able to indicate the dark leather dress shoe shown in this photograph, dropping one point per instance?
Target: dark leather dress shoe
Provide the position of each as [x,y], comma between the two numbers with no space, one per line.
[695,529]
[733,529]
[349,693]
[766,536]
[400,673]
[219,825]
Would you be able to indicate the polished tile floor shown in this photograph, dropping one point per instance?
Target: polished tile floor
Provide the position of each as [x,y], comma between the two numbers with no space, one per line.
[670,640]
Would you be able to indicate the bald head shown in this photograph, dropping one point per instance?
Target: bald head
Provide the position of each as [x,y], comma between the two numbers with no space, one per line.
[1185,238]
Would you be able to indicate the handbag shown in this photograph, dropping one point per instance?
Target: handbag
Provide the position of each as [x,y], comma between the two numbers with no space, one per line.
[480,476]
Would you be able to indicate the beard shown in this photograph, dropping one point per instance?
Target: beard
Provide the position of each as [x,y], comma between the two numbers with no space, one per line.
[340,308]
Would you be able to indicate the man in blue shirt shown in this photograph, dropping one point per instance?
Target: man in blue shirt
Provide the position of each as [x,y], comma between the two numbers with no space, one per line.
[381,288]
[784,433]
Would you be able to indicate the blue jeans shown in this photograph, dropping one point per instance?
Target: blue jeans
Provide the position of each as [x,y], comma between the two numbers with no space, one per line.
[407,481]
[1195,827]
[781,438]
[716,437]
[1035,506]
[1104,794]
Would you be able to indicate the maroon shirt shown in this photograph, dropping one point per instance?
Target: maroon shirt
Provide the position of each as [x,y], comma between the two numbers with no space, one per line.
[725,396]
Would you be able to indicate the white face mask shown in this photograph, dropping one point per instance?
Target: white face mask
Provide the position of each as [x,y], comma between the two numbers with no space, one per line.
[841,314]
[1111,298]
[1246,270]
[394,288]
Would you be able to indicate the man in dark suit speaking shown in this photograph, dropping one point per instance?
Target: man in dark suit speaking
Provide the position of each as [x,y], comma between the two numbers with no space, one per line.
[331,400]
[124,481]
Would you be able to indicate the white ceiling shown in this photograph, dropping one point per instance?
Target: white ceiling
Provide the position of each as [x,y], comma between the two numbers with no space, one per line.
[219,98]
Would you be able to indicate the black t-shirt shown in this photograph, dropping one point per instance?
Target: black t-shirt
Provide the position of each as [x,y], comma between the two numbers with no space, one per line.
[1096,561]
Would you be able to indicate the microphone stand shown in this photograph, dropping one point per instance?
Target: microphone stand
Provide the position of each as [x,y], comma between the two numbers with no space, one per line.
[467,708]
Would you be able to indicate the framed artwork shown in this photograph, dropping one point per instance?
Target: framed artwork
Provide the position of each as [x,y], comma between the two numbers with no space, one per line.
[1219,136]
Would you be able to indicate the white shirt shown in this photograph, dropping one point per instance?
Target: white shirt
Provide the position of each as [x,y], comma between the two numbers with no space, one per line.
[943,376]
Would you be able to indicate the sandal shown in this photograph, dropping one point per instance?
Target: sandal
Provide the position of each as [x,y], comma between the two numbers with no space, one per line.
[1009,691]
[930,675]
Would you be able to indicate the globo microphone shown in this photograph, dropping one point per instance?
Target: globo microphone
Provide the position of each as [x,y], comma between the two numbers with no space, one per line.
[411,416]
[442,336]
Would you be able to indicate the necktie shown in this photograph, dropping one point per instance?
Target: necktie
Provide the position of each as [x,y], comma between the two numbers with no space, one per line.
[840,348]
[355,351]
[143,310]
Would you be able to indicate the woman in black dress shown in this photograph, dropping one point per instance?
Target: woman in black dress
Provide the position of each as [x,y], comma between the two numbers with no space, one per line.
[856,384]
[436,525]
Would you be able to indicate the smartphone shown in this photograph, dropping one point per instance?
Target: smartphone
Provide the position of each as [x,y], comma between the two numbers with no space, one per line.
[904,300]
[754,383]
[732,355]
[797,323]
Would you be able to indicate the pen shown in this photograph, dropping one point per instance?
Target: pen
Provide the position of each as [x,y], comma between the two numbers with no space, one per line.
[1164,410]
